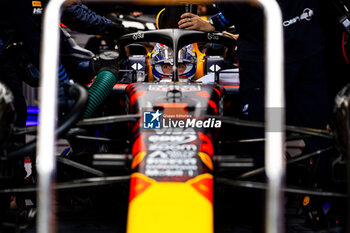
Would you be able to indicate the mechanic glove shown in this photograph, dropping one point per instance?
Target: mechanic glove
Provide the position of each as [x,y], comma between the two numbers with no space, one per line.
[117,30]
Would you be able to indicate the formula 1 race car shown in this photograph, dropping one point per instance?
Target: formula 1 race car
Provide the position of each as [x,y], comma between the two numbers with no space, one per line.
[169,148]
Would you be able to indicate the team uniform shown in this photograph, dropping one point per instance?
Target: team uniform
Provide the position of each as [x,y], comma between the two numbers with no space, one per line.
[306,93]
[21,21]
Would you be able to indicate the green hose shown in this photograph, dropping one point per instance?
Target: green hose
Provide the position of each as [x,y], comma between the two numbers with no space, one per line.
[99,90]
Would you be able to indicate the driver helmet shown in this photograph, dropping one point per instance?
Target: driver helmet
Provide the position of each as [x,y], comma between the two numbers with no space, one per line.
[162,61]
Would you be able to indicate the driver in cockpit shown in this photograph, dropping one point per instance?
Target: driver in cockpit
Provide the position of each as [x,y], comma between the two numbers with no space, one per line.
[162,62]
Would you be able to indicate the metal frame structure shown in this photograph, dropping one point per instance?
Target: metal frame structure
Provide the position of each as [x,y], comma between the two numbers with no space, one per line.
[274,113]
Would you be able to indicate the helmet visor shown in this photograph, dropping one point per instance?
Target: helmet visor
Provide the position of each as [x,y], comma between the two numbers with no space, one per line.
[167,69]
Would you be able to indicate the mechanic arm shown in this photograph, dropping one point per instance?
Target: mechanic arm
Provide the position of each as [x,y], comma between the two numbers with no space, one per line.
[80,18]
[191,21]
[229,14]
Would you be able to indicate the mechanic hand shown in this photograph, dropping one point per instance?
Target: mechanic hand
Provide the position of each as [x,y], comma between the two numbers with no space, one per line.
[117,30]
[191,21]
[69,3]
[136,13]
